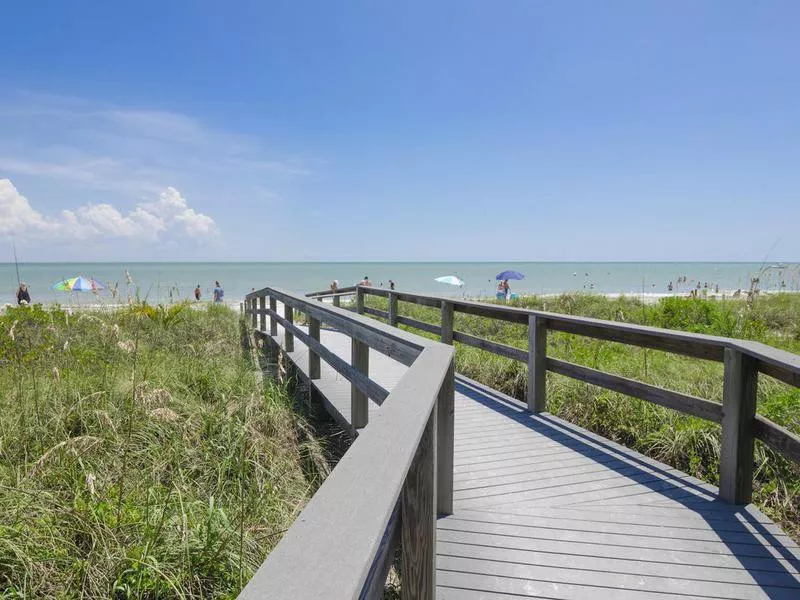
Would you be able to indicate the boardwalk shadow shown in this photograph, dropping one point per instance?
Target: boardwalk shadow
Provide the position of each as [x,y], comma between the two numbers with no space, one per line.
[764,555]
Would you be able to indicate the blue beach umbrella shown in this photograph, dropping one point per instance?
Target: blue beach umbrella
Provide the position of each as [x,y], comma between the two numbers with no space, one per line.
[509,275]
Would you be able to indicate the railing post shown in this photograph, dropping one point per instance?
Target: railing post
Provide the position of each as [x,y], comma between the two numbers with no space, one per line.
[447,322]
[537,364]
[273,324]
[241,307]
[288,336]
[313,357]
[360,300]
[359,403]
[418,520]
[262,306]
[738,417]
[392,309]
[445,434]
[337,301]
[254,313]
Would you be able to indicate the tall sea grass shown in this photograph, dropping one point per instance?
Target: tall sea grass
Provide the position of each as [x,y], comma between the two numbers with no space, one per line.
[141,456]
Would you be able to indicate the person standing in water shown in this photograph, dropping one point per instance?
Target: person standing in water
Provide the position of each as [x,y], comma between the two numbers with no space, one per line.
[197,293]
[219,293]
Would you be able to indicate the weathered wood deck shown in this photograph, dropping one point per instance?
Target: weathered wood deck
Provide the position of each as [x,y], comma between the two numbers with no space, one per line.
[546,509]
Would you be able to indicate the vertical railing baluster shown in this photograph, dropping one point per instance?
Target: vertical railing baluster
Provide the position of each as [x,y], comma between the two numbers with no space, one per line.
[253,312]
[537,364]
[337,301]
[262,319]
[418,520]
[738,420]
[360,300]
[445,438]
[273,323]
[288,336]
[393,309]
[447,323]
[359,403]
[313,357]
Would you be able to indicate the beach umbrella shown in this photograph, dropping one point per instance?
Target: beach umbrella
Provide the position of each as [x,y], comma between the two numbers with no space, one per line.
[509,275]
[78,284]
[450,279]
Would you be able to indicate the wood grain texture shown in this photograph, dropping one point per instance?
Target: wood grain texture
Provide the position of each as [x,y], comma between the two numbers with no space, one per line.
[393,309]
[493,347]
[779,438]
[419,521]
[446,336]
[359,415]
[273,307]
[262,308]
[429,327]
[738,427]
[692,405]
[445,443]
[376,312]
[360,300]
[288,315]
[313,357]
[537,364]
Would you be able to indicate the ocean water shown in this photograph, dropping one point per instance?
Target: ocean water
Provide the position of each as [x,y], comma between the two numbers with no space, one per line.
[165,282]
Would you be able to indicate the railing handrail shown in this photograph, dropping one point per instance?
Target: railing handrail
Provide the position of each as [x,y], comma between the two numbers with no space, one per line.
[783,365]
[744,360]
[395,465]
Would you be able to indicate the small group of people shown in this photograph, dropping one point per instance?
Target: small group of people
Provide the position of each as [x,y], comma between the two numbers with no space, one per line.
[218,293]
[367,283]
[503,290]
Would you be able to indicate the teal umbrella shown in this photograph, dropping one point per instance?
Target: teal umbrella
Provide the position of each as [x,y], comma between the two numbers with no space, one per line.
[450,279]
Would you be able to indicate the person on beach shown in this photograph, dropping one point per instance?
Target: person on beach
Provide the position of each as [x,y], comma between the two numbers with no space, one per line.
[219,293]
[501,291]
[365,282]
[197,293]
[506,290]
[23,295]
[391,284]
[334,286]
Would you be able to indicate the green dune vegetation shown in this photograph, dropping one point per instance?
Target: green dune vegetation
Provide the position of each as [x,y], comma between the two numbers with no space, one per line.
[141,456]
[685,442]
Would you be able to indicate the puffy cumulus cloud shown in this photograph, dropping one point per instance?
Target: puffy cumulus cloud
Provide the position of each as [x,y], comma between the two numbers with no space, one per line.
[17,215]
[168,216]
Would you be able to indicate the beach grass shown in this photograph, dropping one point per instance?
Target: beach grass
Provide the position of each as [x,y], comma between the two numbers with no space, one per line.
[688,443]
[141,455]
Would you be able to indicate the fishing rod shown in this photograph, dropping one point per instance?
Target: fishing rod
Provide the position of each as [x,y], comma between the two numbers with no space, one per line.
[16,262]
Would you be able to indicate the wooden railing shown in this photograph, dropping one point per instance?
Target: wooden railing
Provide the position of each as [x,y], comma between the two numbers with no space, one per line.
[743,361]
[393,480]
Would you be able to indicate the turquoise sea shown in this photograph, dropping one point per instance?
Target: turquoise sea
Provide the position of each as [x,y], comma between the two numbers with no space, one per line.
[164,281]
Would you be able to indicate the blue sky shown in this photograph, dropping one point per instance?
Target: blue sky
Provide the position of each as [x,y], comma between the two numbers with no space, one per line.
[509,130]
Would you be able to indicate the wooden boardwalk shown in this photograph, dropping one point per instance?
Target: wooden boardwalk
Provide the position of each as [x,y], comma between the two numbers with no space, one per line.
[545,509]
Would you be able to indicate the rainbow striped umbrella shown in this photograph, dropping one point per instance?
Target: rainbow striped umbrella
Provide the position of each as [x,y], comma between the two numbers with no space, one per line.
[78,284]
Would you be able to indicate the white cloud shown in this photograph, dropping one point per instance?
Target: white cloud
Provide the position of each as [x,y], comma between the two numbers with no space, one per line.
[168,216]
